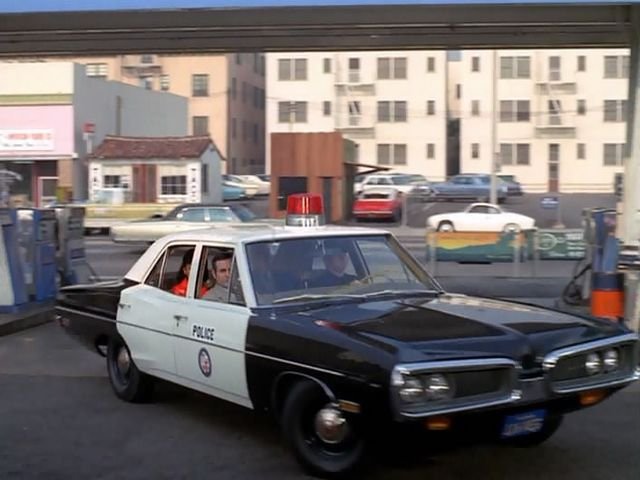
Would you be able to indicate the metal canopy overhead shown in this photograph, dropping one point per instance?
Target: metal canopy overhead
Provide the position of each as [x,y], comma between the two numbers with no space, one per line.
[307,28]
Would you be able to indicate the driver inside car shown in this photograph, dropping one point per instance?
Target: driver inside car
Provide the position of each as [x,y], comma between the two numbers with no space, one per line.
[335,260]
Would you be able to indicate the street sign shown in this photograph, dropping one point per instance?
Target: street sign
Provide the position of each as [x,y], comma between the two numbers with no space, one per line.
[549,202]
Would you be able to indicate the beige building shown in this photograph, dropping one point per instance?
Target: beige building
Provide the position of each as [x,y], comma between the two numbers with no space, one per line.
[560,115]
[226,95]
[392,104]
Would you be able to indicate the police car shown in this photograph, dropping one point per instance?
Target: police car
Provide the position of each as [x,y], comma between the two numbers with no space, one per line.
[343,336]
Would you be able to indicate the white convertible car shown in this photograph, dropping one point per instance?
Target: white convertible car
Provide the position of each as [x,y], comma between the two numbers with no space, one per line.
[480,217]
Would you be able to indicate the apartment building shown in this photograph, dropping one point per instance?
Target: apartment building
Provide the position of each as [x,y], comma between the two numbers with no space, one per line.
[392,104]
[226,95]
[560,115]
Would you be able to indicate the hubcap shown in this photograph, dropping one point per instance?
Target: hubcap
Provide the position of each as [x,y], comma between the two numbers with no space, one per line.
[446,227]
[123,361]
[331,426]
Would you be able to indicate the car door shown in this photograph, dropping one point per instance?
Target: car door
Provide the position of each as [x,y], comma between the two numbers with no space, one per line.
[474,219]
[495,219]
[147,314]
[210,339]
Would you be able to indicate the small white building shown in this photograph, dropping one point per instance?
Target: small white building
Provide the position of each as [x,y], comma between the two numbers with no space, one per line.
[157,169]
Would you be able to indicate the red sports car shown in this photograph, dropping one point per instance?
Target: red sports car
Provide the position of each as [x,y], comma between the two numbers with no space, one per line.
[378,203]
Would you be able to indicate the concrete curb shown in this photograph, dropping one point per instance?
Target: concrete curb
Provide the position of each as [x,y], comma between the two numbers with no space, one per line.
[32,317]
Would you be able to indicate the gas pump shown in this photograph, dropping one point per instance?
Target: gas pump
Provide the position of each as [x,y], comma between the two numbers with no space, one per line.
[13,292]
[71,255]
[37,244]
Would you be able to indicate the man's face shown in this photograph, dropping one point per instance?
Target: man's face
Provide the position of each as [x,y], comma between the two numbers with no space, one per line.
[222,271]
[336,263]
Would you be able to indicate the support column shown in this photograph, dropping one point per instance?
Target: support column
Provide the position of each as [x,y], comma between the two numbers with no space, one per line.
[631,194]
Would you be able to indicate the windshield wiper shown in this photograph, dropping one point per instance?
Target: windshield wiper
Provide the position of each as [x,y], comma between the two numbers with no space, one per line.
[316,296]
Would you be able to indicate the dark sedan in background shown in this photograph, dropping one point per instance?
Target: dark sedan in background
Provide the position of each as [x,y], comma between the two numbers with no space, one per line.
[468,186]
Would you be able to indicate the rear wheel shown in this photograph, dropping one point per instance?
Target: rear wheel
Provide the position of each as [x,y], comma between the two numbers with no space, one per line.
[324,440]
[446,226]
[128,383]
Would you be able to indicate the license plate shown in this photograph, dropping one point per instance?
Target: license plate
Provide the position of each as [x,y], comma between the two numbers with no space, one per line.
[523,423]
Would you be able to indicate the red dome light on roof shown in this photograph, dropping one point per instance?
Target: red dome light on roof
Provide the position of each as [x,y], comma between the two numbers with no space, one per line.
[305,210]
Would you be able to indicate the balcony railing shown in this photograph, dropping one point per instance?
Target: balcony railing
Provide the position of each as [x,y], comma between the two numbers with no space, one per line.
[546,87]
[555,126]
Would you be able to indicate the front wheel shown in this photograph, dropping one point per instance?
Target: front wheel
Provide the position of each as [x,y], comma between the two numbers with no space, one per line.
[550,426]
[128,383]
[445,227]
[325,441]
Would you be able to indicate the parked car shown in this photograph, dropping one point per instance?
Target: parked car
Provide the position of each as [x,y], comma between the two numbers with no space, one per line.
[382,203]
[229,192]
[265,177]
[468,186]
[264,187]
[250,190]
[481,217]
[188,216]
[343,362]
[403,182]
[514,188]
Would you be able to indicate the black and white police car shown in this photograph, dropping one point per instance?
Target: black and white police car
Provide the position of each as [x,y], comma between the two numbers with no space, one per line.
[341,333]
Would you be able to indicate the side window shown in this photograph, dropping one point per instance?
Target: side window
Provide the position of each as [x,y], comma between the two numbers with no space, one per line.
[221,215]
[493,211]
[153,279]
[216,280]
[477,210]
[193,215]
[174,276]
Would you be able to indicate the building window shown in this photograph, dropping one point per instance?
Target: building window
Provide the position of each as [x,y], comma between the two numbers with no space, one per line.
[256,97]
[582,63]
[475,108]
[200,125]
[234,128]
[234,88]
[395,111]
[245,91]
[392,154]
[238,59]
[292,112]
[554,68]
[355,113]
[581,107]
[292,69]
[431,64]
[554,152]
[112,181]
[326,65]
[263,67]
[475,150]
[354,70]
[615,110]
[514,111]
[326,108]
[147,59]
[613,154]
[616,66]
[431,151]
[245,130]
[458,91]
[392,68]
[204,181]
[515,67]
[173,185]
[164,82]
[200,85]
[581,152]
[255,133]
[146,82]
[256,63]
[475,64]
[431,107]
[98,70]
[514,153]
[555,109]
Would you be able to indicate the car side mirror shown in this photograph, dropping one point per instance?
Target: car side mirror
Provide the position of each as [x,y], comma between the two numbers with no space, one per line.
[157,215]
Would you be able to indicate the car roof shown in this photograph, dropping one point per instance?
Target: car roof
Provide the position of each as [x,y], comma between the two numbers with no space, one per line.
[240,234]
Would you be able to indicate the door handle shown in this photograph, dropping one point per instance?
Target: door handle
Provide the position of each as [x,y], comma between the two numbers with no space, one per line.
[123,305]
[180,318]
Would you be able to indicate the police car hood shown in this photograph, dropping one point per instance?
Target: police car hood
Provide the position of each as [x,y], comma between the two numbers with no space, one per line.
[461,325]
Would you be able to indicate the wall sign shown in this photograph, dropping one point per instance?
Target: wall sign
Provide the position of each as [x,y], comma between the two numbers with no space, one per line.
[26,140]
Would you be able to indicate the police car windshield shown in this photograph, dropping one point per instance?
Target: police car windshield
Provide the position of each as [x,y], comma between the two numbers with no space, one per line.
[336,267]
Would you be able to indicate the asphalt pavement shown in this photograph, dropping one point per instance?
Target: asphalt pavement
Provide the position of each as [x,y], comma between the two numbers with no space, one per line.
[60,420]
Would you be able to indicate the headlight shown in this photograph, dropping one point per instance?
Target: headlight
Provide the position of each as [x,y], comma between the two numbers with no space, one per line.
[593,364]
[611,360]
[437,387]
[412,391]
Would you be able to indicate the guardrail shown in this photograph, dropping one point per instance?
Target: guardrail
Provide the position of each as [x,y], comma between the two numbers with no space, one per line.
[516,247]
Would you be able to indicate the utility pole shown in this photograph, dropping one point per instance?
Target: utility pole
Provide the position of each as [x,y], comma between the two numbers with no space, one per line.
[494,128]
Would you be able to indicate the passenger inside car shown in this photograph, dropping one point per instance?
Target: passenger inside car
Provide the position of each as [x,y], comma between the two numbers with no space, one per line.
[182,279]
